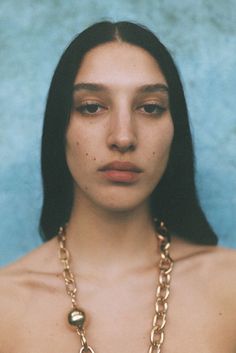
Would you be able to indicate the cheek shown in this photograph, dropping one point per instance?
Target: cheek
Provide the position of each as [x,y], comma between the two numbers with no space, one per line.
[162,140]
[80,155]
[161,145]
[73,149]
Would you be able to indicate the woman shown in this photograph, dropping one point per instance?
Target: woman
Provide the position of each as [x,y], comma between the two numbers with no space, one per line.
[117,165]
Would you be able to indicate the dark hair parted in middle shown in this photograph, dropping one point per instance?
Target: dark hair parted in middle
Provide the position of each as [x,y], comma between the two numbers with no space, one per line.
[174,199]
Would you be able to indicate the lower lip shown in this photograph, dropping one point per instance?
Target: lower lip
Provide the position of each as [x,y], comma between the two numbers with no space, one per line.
[121,176]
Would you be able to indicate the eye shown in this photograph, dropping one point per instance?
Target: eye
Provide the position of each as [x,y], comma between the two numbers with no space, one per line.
[90,108]
[152,108]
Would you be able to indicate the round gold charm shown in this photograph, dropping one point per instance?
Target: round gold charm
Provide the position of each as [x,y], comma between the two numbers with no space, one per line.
[76,318]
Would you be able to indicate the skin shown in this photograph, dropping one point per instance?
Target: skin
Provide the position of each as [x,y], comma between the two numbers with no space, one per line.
[110,233]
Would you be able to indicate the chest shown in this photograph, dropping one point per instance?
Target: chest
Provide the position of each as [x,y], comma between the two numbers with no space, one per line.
[121,322]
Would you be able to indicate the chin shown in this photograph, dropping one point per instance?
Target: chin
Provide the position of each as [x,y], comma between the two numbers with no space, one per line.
[120,203]
[114,199]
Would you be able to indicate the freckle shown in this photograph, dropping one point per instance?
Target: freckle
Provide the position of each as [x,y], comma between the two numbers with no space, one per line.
[153,153]
[77,143]
[86,154]
[220,314]
[94,159]
[86,188]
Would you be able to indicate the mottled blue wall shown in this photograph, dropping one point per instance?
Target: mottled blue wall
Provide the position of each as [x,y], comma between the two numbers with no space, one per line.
[201,36]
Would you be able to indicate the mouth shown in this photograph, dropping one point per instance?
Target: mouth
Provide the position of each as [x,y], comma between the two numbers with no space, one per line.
[121,172]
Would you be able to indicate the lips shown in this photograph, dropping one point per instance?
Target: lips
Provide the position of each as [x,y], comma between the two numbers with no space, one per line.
[122,166]
[122,172]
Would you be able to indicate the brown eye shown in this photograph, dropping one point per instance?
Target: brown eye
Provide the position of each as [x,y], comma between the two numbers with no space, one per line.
[89,108]
[152,108]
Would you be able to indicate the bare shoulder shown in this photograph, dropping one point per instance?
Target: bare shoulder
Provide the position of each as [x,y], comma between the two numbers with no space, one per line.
[39,263]
[211,267]
[223,258]
[222,265]
[35,260]
[18,283]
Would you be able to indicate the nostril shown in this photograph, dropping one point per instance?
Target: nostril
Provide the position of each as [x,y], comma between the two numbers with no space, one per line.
[131,147]
[123,148]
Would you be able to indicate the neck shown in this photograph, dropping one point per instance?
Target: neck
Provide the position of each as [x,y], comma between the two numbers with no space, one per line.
[111,241]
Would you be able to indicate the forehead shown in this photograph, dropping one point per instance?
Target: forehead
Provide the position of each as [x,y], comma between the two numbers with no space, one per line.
[119,63]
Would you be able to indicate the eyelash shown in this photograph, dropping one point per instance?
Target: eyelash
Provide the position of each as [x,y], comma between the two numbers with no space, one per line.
[83,109]
[157,109]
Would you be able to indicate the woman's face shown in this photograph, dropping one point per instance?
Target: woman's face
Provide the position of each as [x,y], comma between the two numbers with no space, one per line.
[120,130]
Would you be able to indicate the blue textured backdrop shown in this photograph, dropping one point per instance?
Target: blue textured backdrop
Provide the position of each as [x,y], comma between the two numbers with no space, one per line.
[201,36]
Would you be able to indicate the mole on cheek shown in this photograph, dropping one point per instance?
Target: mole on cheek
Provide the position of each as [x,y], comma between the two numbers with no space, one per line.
[94,159]
[153,153]
[86,154]
[77,143]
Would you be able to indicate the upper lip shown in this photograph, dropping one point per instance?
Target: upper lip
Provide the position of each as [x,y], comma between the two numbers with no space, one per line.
[123,166]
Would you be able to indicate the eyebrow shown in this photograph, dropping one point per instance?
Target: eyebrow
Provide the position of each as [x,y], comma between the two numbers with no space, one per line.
[97,87]
[158,87]
[94,87]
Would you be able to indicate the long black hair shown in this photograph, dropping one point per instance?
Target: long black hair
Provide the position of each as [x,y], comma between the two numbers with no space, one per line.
[174,199]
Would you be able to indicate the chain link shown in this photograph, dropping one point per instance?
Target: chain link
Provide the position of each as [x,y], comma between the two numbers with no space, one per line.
[162,293]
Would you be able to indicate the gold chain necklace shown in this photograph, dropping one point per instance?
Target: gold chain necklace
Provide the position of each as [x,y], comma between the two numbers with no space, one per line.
[76,316]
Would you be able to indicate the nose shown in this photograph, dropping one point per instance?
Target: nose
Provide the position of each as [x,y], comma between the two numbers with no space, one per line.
[122,134]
